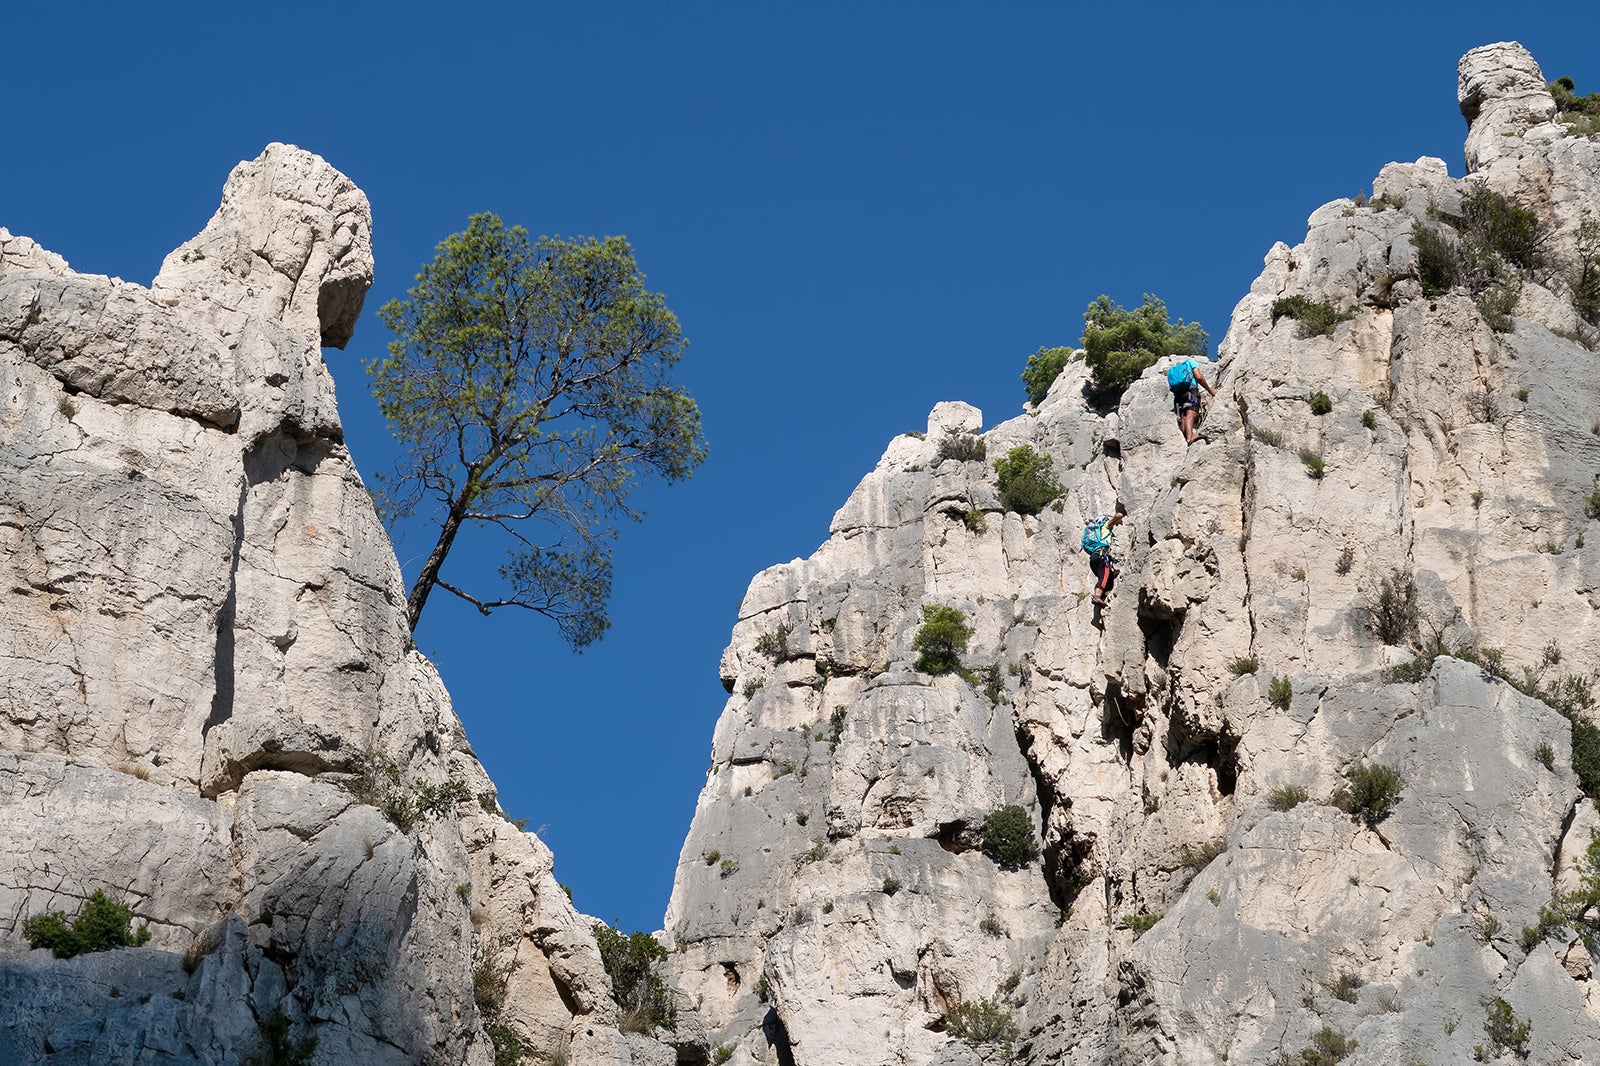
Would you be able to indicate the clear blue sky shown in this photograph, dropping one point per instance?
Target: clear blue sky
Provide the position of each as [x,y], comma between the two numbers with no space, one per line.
[857,210]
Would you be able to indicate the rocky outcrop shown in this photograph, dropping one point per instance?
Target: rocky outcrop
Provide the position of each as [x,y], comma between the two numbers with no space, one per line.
[210,708]
[1185,909]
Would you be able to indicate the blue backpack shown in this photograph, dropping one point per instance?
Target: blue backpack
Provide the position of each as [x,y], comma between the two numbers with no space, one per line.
[1181,376]
[1097,535]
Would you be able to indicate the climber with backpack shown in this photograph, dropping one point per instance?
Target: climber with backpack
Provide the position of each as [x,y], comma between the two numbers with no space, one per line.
[1183,377]
[1097,542]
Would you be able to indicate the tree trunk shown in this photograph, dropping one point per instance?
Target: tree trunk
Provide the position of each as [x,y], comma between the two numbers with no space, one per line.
[430,569]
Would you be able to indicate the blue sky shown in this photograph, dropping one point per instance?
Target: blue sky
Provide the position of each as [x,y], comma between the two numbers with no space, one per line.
[857,211]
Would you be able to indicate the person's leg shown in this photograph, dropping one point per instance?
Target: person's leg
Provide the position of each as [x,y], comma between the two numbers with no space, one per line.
[1101,572]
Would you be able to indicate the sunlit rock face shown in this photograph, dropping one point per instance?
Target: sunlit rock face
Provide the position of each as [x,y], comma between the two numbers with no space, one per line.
[204,647]
[833,904]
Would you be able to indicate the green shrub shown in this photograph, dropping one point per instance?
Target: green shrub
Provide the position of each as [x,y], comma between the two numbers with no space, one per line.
[722,1054]
[1270,437]
[774,644]
[1245,664]
[982,1022]
[1392,613]
[1496,303]
[1345,987]
[1197,857]
[941,639]
[630,962]
[993,686]
[1347,559]
[1585,274]
[1315,319]
[278,1048]
[891,885]
[1437,266]
[1027,480]
[963,447]
[1369,419]
[1370,793]
[1139,924]
[1280,692]
[1505,227]
[379,783]
[1044,366]
[1585,754]
[1328,1048]
[1315,467]
[492,967]
[99,925]
[1119,343]
[974,520]
[1008,836]
[1320,404]
[1506,1032]
[1591,505]
[729,867]
[1287,797]
[1571,108]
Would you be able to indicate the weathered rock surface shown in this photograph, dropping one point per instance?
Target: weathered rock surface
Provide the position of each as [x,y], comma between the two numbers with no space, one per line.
[1177,915]
[204,656]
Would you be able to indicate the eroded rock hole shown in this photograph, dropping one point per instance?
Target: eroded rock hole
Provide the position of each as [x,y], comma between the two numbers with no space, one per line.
[1190,742]
[1120,717]
[957,837]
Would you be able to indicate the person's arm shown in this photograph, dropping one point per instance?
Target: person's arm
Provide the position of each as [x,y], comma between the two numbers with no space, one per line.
[1201,378]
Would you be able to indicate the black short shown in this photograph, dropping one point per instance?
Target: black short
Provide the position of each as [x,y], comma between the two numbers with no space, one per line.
[1186,399]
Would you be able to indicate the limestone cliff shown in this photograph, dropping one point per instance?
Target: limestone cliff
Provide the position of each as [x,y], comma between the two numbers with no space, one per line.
[832,905]
[208,695]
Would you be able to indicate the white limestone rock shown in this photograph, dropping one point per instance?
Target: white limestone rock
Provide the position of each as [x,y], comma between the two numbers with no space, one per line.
[1237,658]
[205,654]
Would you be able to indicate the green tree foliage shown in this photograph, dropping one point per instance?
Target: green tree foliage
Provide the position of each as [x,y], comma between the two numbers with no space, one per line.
[1580,114]
[1027,480]
[1120,344]
[1044,366]
[100,925]
[529,388]
[630,962]
[1008,836]
[941,639]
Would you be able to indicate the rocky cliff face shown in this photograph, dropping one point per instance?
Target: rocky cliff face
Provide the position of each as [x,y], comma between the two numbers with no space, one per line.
[209,700]
[832,904]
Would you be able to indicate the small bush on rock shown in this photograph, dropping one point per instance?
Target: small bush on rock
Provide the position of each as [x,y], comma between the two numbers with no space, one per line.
[941,639]
[1392,612]
[1506,1032]
[964,447]
[630,962]
[1280,692]
[982,1022]
[1008,836]
[1287,797]
[99,925]
[1370,793]
[278,1048]
[1328,1048]
[1027,480]
[379,784]
[1244,664]
[1315,319]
